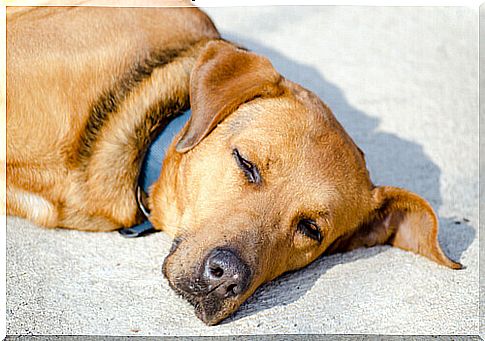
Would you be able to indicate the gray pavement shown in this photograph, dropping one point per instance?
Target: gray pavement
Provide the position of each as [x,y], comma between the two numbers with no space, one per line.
[403,82]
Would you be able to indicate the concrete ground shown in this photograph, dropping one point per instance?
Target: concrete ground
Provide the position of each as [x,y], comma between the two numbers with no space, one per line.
[403,82]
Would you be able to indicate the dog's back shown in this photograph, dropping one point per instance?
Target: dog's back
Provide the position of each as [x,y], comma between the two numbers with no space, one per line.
[54,77]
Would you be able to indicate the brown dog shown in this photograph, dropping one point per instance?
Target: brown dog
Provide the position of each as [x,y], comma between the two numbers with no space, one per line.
[260,181]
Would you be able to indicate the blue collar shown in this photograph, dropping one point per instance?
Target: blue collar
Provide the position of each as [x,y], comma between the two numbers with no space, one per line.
[152,166]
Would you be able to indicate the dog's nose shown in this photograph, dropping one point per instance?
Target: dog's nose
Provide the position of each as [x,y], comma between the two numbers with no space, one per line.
[226,274]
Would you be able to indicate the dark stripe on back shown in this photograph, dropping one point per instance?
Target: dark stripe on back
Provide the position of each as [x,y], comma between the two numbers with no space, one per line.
[110,100]
[157,118]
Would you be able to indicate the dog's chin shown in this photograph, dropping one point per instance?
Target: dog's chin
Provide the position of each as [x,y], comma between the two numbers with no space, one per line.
[208,307]
[212,312]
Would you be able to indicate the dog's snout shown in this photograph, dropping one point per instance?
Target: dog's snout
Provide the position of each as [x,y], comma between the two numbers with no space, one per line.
[226,274]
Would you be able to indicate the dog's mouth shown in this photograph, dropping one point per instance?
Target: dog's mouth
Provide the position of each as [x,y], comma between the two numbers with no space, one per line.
[215,293]
[208,307]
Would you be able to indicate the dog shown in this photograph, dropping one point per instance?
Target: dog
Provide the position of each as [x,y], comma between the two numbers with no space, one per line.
[261,180]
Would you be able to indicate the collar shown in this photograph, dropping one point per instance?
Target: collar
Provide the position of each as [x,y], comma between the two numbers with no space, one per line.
[150,171]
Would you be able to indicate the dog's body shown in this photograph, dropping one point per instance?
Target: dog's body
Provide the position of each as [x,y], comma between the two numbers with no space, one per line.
[261,167]
[60,168]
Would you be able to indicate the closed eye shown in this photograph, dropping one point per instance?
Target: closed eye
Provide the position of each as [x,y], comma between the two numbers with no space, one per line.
[251,172]
[310,229]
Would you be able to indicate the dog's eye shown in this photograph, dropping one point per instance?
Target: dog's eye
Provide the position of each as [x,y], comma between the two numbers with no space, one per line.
[310,229]
[249,169]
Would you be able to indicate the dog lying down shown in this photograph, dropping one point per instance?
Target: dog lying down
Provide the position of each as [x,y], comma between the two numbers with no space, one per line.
[260,180]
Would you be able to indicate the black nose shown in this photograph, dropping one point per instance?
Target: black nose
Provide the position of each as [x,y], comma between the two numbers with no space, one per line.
[225,273]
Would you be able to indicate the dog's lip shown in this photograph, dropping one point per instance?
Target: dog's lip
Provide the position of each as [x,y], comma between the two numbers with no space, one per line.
[198,298]
[201,313]
[213,318]
[199,302]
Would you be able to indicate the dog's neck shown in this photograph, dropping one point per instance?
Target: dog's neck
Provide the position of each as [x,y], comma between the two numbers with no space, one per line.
[150,171]
[152,163]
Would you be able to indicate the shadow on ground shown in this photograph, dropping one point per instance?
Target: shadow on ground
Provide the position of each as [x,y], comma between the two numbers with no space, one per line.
[391,160]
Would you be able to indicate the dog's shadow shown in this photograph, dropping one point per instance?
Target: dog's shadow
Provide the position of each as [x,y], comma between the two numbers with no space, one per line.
[390,159]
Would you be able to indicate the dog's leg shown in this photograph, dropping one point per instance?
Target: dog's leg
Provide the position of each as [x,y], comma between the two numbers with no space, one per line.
[26,192]
[74,219]
[31,206]
[44,212]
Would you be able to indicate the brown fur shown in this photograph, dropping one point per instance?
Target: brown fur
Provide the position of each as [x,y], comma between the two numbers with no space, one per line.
[96,138]
[83,107]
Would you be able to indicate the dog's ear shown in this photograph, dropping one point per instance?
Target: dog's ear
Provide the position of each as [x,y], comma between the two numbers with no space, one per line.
[223,78]
[401,219]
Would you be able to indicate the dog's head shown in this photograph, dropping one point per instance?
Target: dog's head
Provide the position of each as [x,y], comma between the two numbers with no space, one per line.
[263,180]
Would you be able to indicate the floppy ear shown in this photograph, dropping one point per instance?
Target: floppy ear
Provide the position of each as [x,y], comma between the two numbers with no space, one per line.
[401,219]
[223,78]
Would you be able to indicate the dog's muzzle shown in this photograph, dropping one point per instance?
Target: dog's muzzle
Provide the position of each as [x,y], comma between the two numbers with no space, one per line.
[216,284]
